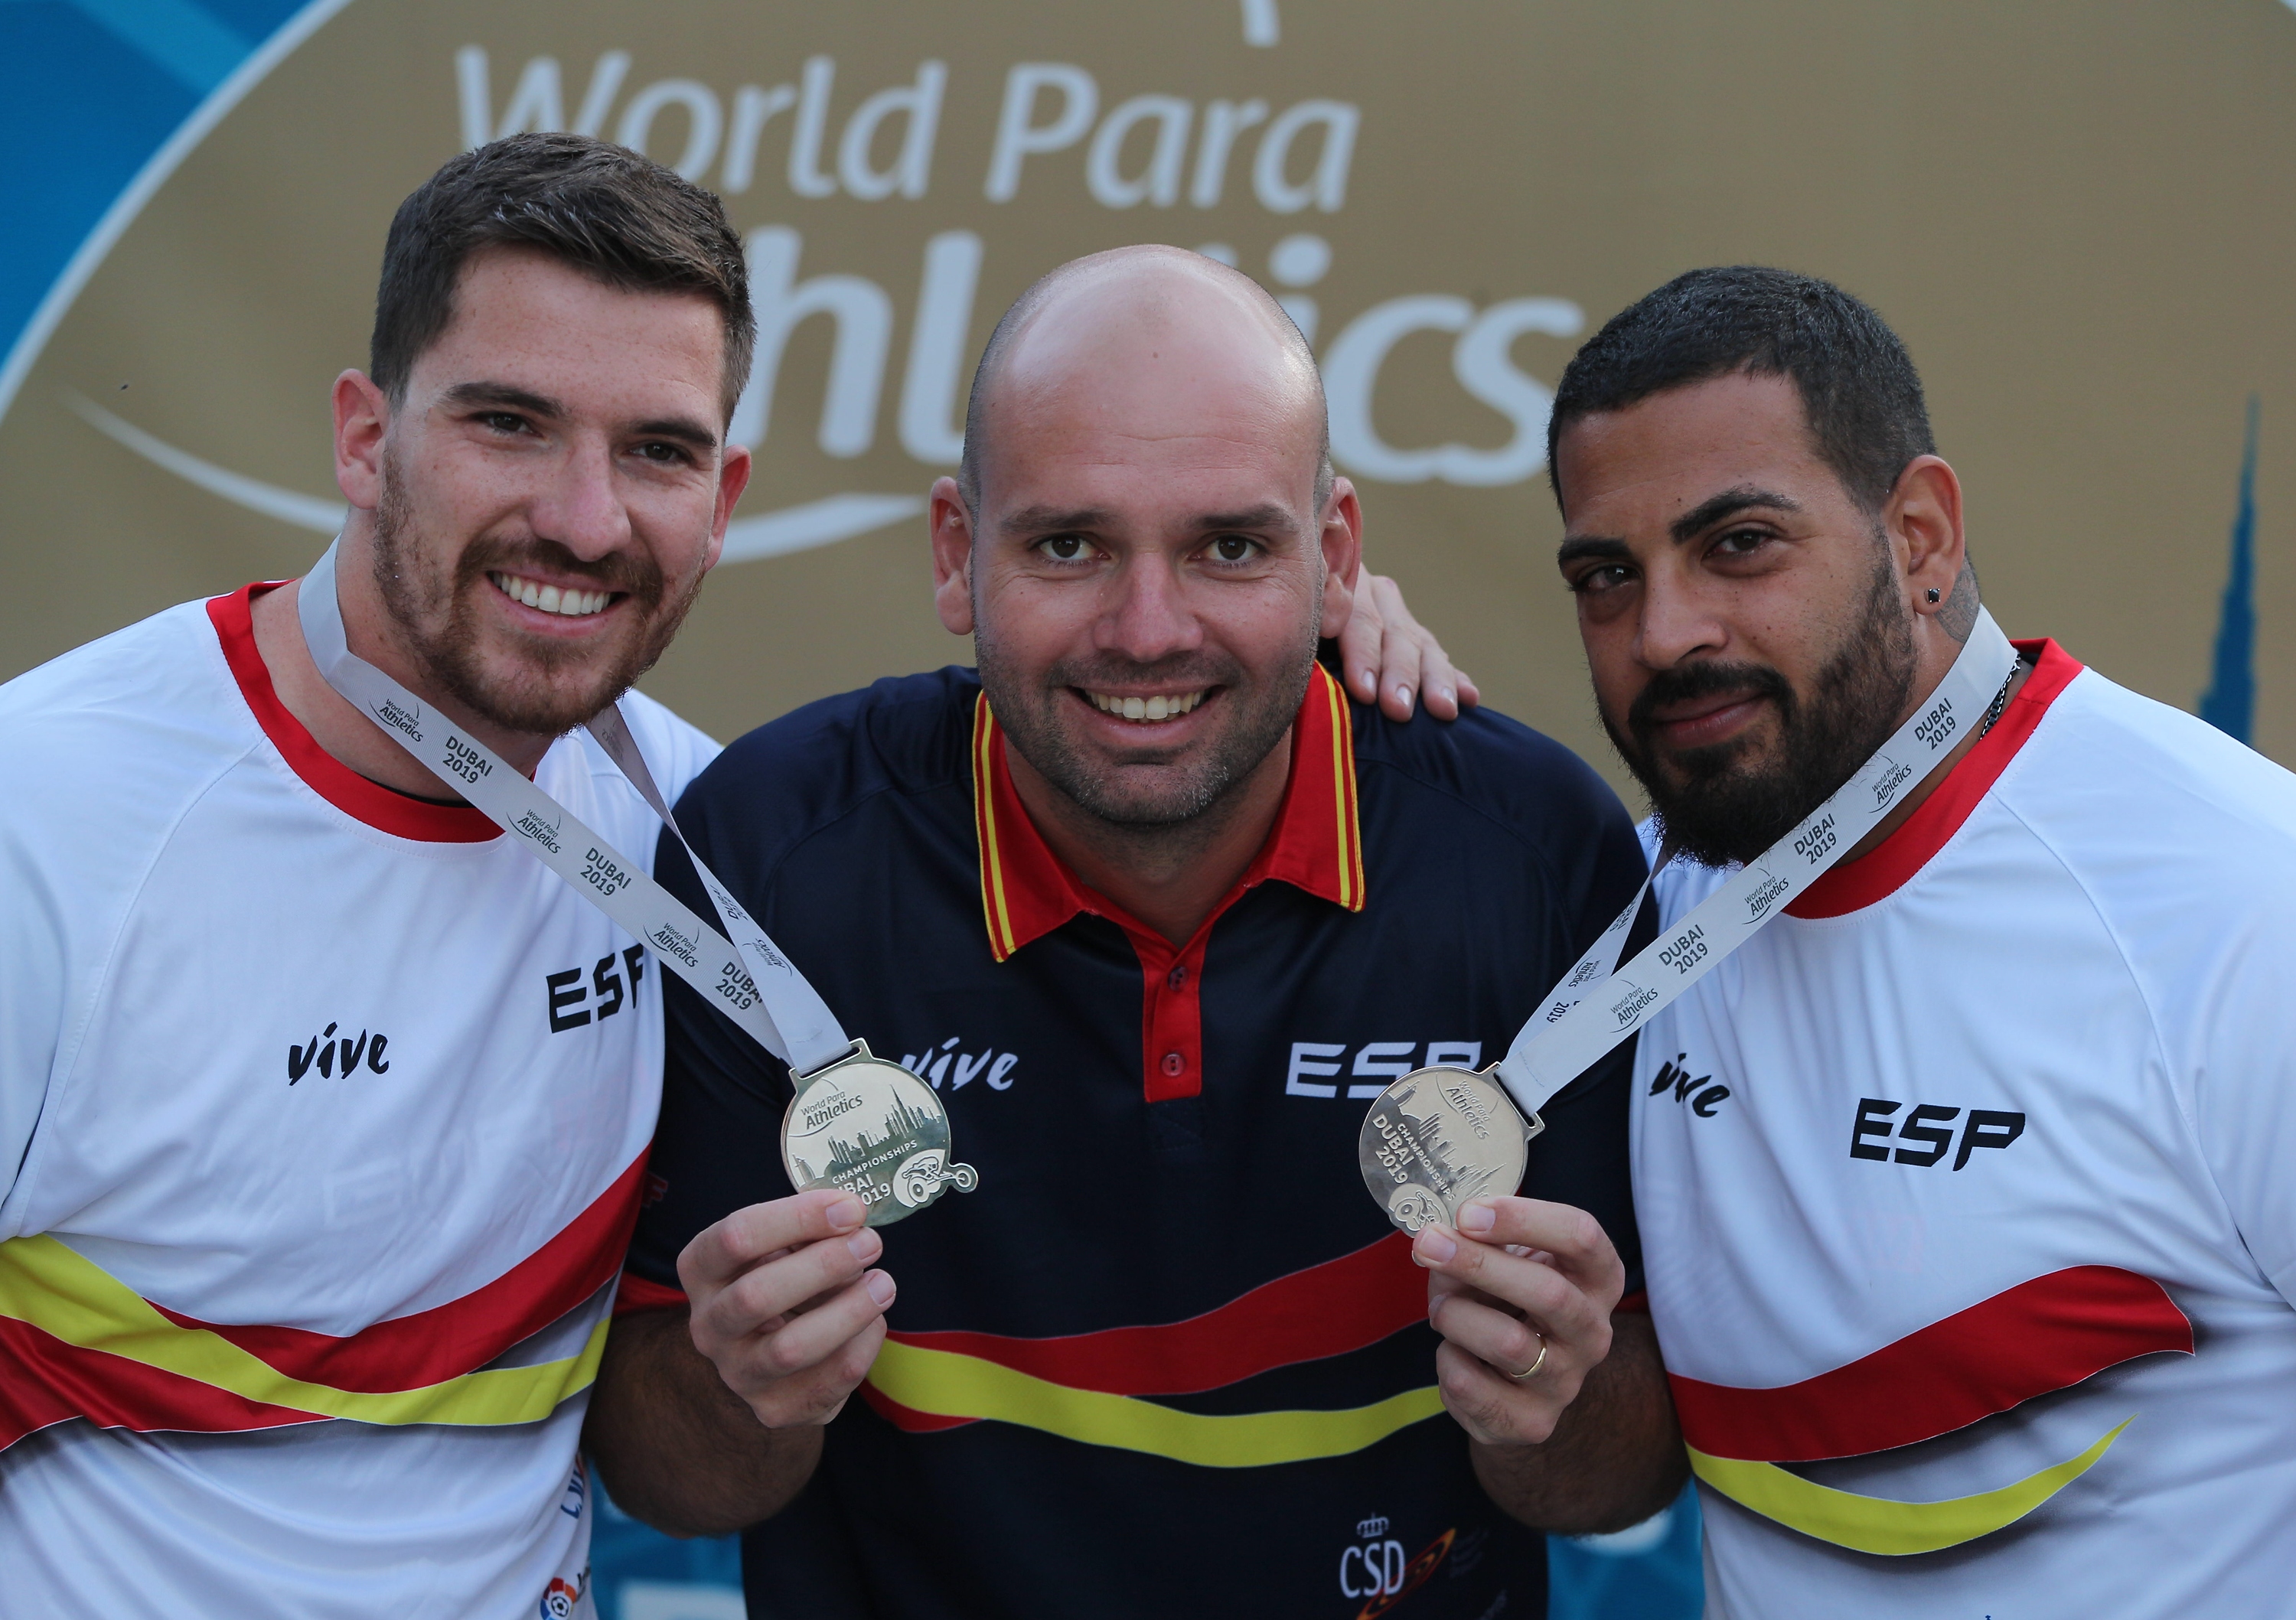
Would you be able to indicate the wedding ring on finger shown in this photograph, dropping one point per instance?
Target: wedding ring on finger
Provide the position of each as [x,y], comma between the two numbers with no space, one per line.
[1535,1366]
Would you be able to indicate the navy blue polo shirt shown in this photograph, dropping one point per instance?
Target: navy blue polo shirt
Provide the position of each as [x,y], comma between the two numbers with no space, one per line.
[1169,1358]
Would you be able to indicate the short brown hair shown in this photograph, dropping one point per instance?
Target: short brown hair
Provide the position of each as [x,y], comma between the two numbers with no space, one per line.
[602,209]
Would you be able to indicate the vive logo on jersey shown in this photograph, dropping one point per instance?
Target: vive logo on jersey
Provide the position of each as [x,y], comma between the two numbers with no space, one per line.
[1703,1098]
[337,1054]
[399,717]
[572,1003]
[933,1066]
[1767,887]
[1377,1064]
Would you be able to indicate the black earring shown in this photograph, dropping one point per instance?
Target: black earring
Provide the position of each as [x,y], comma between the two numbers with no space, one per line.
[1933,593]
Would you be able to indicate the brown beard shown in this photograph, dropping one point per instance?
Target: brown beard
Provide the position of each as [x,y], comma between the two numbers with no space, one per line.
[438,622]
[1718,808]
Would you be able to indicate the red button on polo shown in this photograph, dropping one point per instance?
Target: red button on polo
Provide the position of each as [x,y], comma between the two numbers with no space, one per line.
[1174,1063]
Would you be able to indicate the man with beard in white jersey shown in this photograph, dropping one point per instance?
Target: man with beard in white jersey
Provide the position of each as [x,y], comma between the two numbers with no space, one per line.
[1961,1185]
[324,1106]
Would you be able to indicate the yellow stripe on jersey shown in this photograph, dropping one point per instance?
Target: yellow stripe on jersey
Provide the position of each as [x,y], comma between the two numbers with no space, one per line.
[1343,793]
[1873,1524]
[984,809]
[62,1293]
[949,1385]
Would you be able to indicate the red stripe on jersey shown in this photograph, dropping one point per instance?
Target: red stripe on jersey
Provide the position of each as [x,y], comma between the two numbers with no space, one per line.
[2045,1335]
[463,1335]
[1327,1310]
[329,778]
[638,1293]
[49,1381]
[1887,867]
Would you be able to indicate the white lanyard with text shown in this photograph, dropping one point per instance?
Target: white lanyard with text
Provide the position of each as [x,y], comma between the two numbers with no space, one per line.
[740,971]
[1573,1031]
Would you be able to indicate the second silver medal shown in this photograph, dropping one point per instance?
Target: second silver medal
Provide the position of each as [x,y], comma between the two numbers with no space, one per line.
[1437,1138]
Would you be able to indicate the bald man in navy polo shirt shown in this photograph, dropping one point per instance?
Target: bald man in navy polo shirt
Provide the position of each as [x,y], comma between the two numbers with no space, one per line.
[1156,908]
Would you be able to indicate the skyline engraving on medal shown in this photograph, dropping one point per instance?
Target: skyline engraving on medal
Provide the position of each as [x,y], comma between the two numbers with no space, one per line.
[875,1131]
[1437,1138]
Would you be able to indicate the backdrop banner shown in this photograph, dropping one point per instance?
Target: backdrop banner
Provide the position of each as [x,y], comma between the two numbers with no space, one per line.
[2076,216]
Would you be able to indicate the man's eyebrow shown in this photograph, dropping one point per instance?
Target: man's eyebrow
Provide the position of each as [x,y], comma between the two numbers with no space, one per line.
[1712,509]
[1053,520]
[507,396]
[684,430]
[1579,546]
[1267,515]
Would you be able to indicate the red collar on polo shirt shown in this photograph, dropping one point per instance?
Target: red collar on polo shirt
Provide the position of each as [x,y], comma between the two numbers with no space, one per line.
[1316,846]
[1885,869]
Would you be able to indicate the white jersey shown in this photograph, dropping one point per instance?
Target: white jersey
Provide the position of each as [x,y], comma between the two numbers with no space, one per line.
[323,1114]
[1965,1197]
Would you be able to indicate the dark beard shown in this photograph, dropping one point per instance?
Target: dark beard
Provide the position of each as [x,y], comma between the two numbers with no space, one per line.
[1029,715]
[1718,808]
[438,622]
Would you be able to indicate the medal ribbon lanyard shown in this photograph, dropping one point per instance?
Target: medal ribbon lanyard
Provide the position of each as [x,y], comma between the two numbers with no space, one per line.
[1598,1005]
[740,971]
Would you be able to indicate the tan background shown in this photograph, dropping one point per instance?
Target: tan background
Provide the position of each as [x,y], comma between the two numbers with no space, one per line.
[2078,215]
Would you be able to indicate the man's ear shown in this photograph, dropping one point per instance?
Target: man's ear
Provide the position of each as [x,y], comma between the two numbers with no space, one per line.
[952,557]
[362,422]
[1923,520]
[1343,544]
[734,469]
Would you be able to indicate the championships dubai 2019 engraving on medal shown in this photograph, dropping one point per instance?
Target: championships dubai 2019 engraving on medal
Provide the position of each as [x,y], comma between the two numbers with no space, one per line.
[1437,1138]
[875,1130]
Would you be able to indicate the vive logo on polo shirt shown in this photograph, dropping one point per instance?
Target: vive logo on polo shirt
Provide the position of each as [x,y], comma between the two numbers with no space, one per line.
[1675,1077]
[934,1066]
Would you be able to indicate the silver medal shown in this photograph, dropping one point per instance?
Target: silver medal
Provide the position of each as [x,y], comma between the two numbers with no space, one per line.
[1439,1137]
[875,1130]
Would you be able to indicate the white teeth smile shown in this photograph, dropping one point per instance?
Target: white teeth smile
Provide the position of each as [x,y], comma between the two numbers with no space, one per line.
[1158,708]
[569,604]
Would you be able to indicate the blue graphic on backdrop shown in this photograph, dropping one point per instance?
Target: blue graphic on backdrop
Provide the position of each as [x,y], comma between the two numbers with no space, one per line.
[2229,704]
[89,91]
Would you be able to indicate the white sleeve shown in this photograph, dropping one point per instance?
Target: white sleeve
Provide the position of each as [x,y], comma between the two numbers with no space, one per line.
[34,974]
[2239,1058]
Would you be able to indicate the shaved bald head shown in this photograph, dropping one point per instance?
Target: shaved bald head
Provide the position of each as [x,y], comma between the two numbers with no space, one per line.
[1147,541]
[1095,308]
